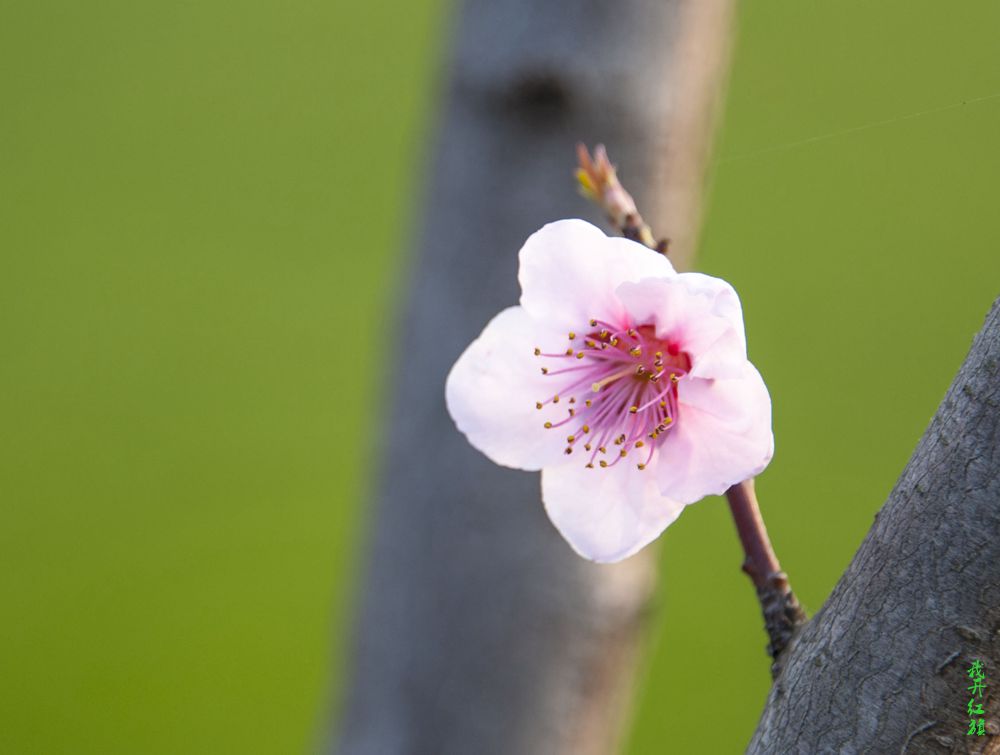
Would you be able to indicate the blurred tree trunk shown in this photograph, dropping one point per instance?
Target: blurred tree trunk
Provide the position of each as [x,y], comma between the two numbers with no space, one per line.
[480,631]
[883,665]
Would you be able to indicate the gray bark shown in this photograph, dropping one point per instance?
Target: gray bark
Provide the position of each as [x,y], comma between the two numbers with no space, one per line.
[480,631]
[882,667]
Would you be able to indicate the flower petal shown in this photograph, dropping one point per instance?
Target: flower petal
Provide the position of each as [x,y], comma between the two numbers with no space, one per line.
[569,271]
[722,436]
[701,313]
[606,514]
[492,389]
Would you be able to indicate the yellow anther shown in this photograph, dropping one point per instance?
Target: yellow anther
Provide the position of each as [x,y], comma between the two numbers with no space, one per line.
[623,453]
[572,399]
[579,355]
[570,438]
[631,332]
[633,409]
[572,335]
[589,465]
[603,463]
[572,412]
[635,351]
[586,446]
[588,402]
[641,466]
[593,323]
[614,341]
[548,425]
[538,404]
[545,370]
[663,404]
[604,333]
[602,449]
[674,378]
[538,351]
[568,451]
[585,428]
[639,444]
[658,355]
[555,399]
[569,352]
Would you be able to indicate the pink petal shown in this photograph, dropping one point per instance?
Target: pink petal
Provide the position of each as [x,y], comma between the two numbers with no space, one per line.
[569,271]
[722,436]
[606,514]
[492,389]
[701,313]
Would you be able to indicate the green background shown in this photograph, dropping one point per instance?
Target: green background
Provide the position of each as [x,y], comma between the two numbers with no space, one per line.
[201,208]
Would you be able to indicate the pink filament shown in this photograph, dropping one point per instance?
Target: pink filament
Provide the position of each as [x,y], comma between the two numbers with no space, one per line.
[632,369]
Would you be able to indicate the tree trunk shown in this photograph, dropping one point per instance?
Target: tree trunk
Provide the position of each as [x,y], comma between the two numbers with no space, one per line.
[480,630]
[883,665]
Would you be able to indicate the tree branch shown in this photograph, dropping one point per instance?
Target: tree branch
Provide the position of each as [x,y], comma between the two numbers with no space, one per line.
[783,615]
[881,667]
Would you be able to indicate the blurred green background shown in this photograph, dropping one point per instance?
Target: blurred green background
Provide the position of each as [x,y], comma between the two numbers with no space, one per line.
[202,207]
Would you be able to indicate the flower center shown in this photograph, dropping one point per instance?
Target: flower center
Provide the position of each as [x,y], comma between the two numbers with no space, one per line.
[620,387]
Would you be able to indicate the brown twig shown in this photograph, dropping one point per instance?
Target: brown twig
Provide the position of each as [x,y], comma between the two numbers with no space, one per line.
[782,613]
[599,183]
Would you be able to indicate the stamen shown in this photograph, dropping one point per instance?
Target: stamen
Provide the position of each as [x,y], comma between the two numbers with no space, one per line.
[633,408]
[596,387]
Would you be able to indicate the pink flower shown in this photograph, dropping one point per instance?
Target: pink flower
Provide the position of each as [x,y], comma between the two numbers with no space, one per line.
[625,382]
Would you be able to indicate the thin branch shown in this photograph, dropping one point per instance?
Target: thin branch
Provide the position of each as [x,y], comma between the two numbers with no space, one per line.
[783,615]
[781,609]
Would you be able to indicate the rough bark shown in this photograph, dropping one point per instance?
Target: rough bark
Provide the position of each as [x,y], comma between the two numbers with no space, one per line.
[882,667]
[480,631]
